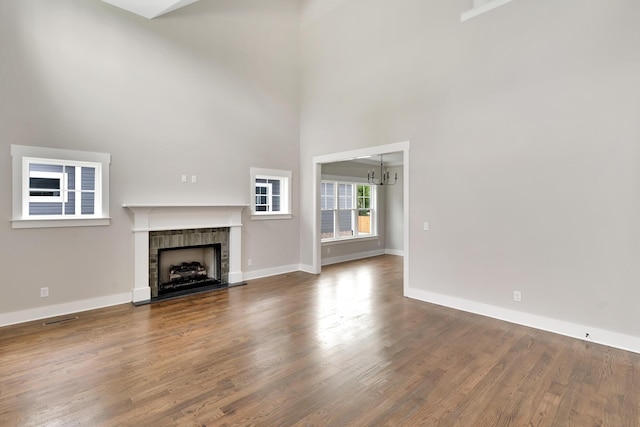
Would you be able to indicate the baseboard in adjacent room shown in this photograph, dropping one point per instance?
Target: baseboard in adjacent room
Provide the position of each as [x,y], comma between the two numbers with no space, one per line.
[352,257]
[396,252]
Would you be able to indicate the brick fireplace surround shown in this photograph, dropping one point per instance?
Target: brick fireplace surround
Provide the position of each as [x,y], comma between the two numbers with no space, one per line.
[154,217]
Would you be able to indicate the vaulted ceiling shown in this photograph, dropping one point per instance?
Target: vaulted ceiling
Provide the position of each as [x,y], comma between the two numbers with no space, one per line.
[150,8]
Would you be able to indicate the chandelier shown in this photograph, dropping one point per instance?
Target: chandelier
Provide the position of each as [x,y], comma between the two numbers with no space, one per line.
[384,176]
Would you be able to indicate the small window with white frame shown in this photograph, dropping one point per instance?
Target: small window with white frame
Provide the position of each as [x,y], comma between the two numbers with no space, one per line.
[59,188]
[271,193]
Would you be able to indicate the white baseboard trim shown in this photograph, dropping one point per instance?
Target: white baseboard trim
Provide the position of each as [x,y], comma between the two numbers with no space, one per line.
[573,330]
[235,277]
[45,312]
[396,252]
[306,268]
[250,275]
[351,257]
[140,294]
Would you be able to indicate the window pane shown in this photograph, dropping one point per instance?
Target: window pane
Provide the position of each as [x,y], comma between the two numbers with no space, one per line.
[364,196]
[326,229]
[327,196]
[87,201]
[70,206]
[275,203]
[275,186]
[345,196]
[364,222]
[71,177]
[88,178]
[38,167]
[45,208]
[345,223]
[44,183]
[44,187]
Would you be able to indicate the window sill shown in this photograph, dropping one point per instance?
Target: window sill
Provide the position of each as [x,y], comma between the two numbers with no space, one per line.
[330,242]
[55,223]
[262,217]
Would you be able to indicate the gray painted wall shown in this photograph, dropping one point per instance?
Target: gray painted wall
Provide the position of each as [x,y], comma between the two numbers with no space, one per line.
[394,210]
[524,136]
[209,90]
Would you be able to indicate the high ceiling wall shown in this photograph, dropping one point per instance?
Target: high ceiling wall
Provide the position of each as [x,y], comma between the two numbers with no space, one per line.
[208,90]
[524,145]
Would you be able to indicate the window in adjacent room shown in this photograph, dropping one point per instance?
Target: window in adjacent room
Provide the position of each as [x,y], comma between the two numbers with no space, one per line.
[347,210]
[271,193]
[59,188]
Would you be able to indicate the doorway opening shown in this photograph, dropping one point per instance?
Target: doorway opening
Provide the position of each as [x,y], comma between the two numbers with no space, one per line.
[400,151]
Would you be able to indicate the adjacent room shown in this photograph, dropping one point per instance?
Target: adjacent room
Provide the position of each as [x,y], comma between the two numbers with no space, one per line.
[319,212]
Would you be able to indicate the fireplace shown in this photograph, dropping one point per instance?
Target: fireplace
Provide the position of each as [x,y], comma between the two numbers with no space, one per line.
[188,268]
[159,227]
[183,260]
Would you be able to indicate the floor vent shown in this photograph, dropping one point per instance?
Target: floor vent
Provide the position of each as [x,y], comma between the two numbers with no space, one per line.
[54,322]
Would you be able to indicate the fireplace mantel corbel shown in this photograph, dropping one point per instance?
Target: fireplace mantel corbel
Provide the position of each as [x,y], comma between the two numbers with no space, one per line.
[154,217]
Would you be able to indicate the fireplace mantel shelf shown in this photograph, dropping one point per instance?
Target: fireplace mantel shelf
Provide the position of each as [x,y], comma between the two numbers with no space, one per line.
[156,216]
[181,205]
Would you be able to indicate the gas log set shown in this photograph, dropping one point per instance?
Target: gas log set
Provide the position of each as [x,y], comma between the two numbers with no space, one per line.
[187,271]
[187,275]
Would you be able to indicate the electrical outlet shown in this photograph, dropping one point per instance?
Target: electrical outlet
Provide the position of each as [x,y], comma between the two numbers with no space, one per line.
[44,292]
[426,226]
[249,262]
[517,296]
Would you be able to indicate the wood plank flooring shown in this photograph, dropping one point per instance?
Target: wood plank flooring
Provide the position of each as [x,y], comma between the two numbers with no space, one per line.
[340,349]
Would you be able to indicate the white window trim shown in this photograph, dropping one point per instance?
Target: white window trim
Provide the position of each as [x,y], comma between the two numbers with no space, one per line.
[21,154]
[374,203]
[285,193]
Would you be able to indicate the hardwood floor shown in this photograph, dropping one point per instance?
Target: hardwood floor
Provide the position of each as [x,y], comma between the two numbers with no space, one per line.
[340,349]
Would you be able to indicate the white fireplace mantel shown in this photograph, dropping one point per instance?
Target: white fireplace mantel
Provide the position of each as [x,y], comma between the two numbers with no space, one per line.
[156,217]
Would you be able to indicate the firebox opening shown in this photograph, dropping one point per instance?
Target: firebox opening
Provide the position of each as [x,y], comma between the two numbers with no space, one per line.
[189,267]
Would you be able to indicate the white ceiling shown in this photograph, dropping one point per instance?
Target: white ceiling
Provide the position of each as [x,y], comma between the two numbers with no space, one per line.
[150,8]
